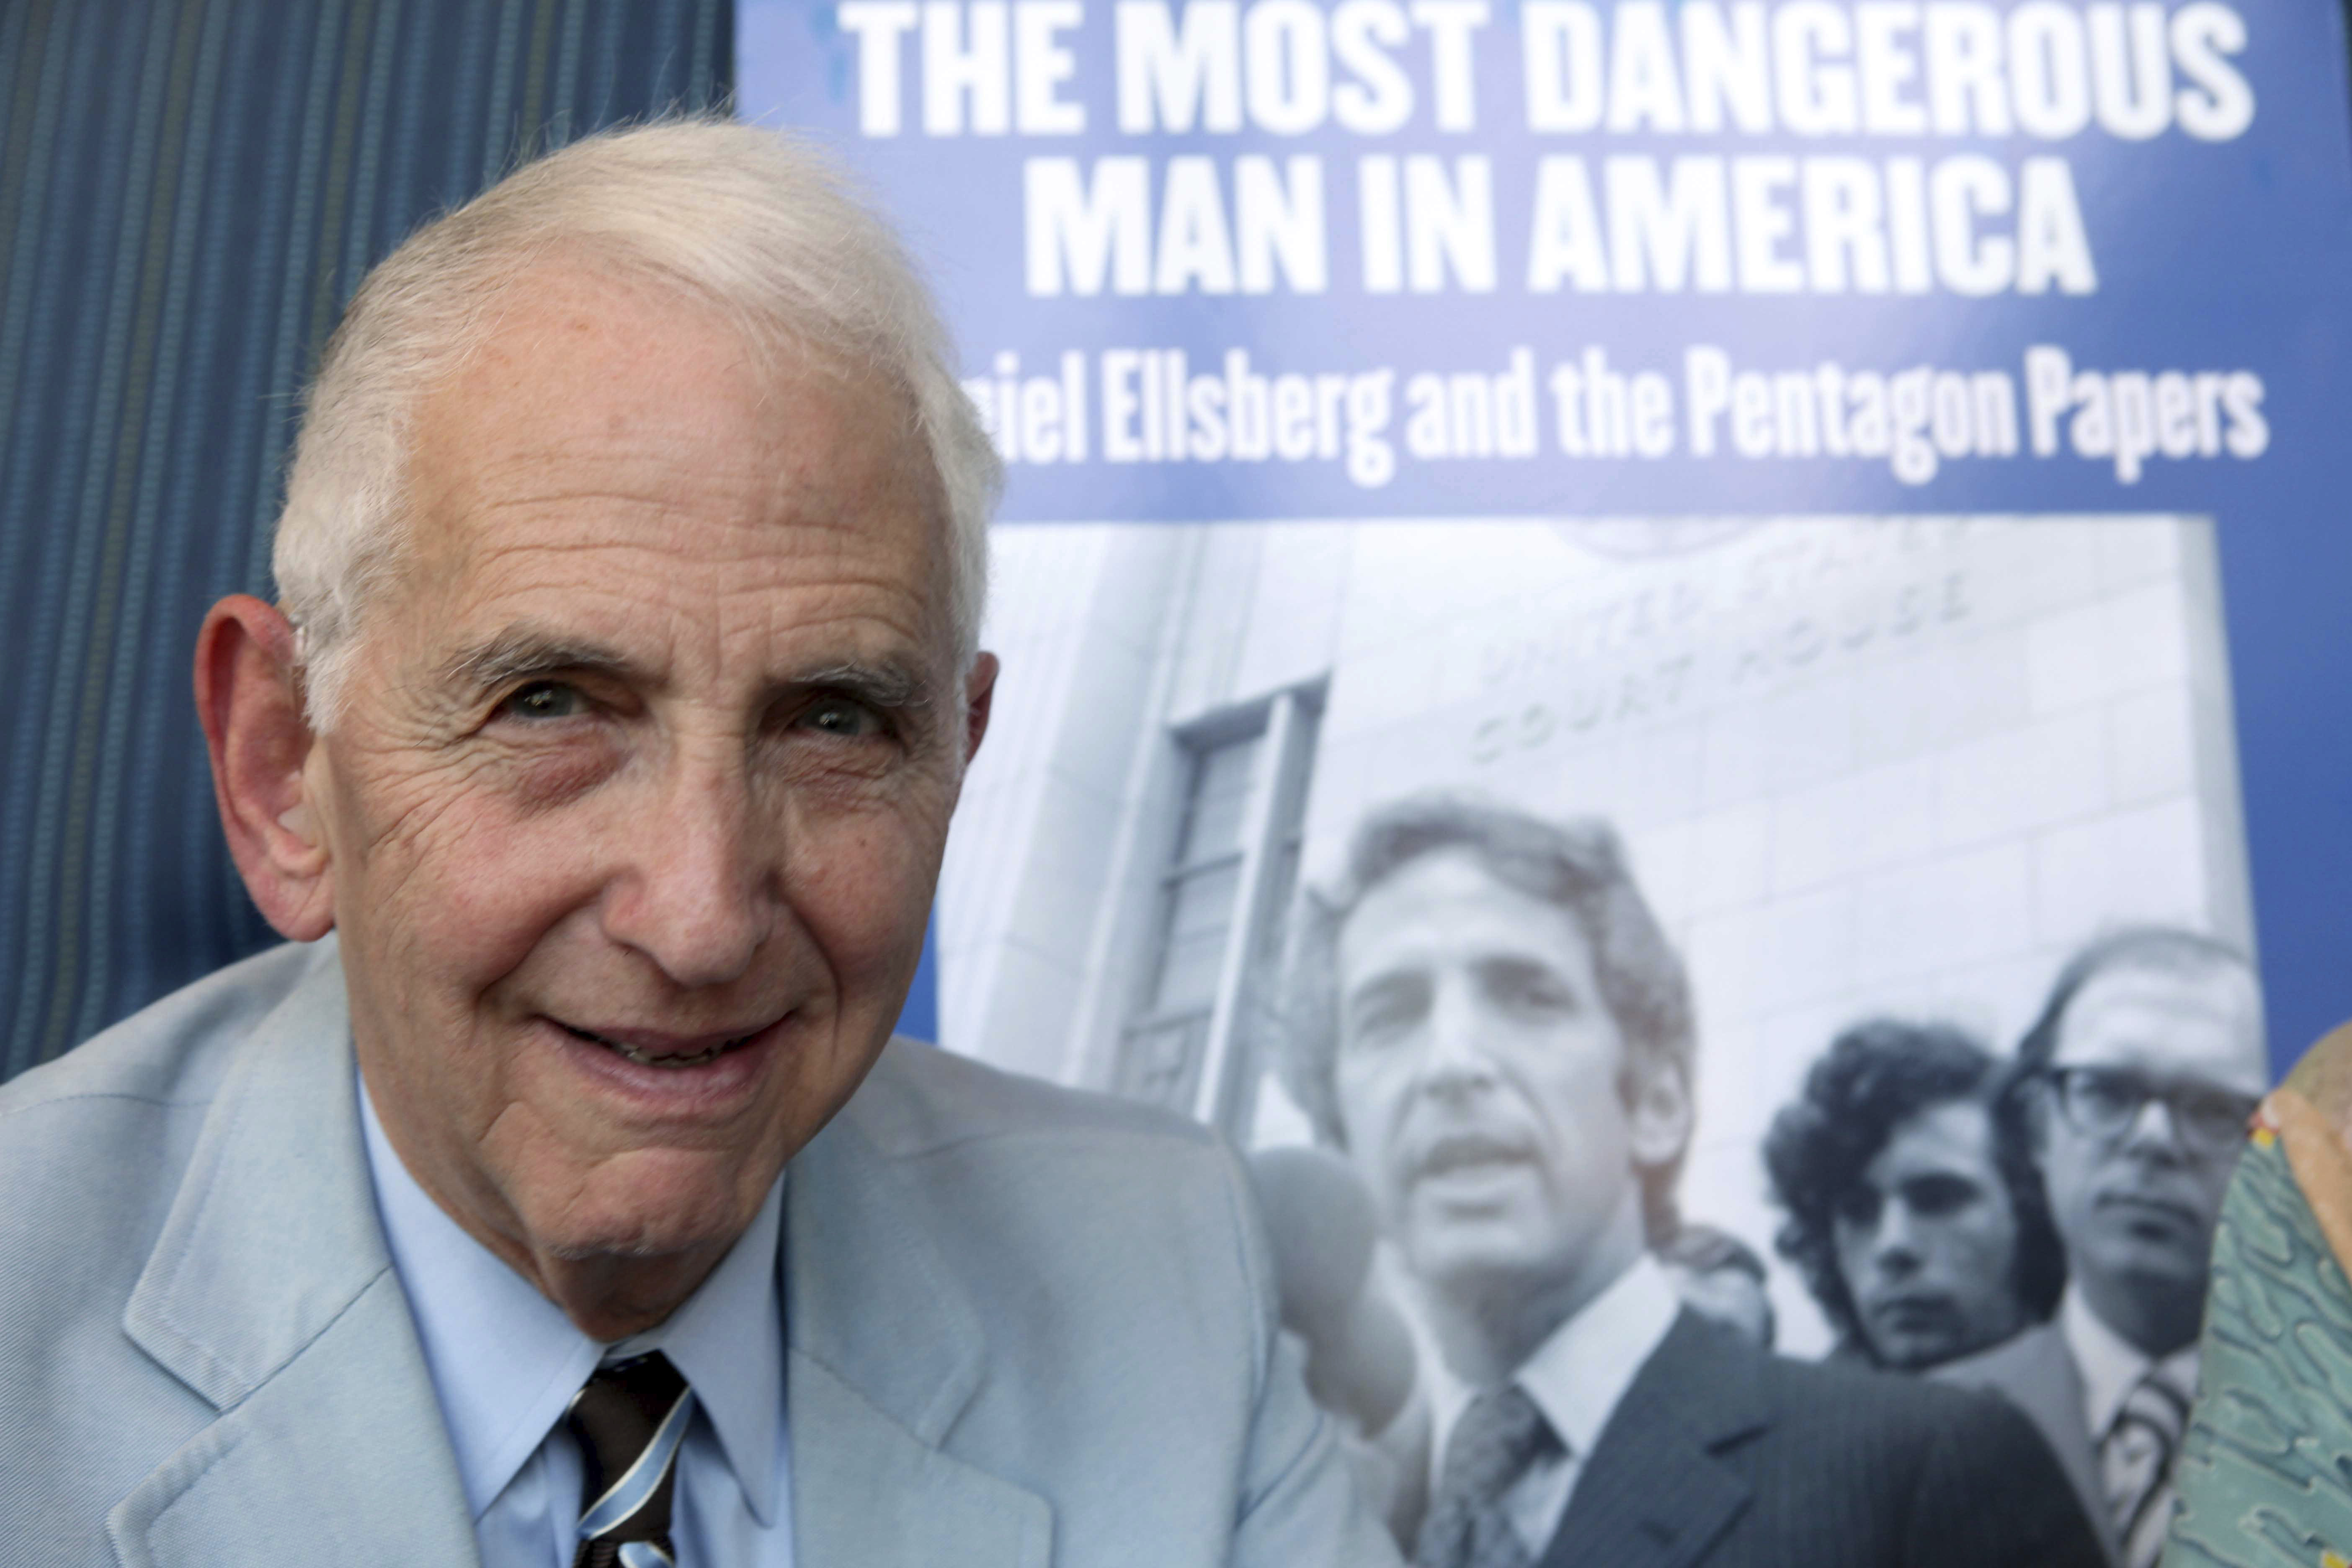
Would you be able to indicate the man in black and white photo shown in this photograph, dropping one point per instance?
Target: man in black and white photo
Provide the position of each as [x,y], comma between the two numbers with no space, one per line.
[1914,1211]
[2138,1076]
[1497,1031]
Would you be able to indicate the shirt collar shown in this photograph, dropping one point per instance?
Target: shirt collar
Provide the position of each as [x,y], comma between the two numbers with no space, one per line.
[1579,1374]
[727,1339]
[2111,1365]
[505,1360]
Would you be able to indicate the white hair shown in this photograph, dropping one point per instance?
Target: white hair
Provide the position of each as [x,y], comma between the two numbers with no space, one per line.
[759,226]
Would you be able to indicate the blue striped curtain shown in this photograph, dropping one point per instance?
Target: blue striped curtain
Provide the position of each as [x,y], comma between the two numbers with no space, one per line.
[188,194]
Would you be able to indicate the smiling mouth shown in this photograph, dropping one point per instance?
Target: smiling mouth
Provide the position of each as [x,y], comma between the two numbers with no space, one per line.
[644,1058]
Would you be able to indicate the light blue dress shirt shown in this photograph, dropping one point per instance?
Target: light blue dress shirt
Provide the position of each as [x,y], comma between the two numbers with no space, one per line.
[506,1361]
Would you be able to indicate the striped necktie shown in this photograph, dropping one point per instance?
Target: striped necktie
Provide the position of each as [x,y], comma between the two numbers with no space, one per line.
[1498,1437]
[2135,1464]
[628,1419]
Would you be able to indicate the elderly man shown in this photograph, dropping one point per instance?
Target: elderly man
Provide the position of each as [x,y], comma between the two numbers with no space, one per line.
[1914,1211]
[2138,1077]
[561,1201]
[1493,1027]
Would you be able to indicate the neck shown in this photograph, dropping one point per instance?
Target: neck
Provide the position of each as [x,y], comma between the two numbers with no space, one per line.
[1488,1322]
[608,1295]
[610,1298]
[2156,1318]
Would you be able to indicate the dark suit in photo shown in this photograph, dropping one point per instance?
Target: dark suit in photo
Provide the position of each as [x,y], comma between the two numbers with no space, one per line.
[2036,1372]
[1722,1456]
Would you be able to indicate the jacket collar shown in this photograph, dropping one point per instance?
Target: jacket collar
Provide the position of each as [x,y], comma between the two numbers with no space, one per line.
[1655,1494]
[274,1232]
[867,1293]
[269,1293]
[886,1352]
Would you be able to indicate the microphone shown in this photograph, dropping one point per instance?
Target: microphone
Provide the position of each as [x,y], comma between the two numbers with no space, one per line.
[1359,1354]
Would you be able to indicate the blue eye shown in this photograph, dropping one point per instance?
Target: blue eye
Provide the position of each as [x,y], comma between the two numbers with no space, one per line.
[840,716]
[544,699]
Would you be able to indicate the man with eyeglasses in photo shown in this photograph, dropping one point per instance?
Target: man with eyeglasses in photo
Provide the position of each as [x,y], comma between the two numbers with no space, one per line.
[2136,1080]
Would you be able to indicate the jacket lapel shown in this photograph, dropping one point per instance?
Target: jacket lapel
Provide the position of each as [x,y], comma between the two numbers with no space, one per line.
[885,1354]
[1652,1494]
[2036,1372]
[271,1294]
[2048,1386]
[2052,1390]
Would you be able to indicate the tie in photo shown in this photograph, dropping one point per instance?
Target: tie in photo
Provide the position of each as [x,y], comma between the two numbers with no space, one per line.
[1499,1436]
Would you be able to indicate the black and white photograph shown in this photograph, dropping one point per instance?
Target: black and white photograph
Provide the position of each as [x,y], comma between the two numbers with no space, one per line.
[1643,957]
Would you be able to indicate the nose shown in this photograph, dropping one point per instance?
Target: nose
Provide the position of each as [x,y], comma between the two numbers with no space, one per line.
[696,894]
[1455,1059]
[1895,1248]
[2153,1133]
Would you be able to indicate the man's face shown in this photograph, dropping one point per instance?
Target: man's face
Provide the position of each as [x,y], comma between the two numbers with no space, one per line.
[1478,1077]
[1925,1239]
[636,805]
[2137,1206]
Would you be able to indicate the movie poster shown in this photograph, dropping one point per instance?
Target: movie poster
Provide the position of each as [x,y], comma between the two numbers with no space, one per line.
[1640,650]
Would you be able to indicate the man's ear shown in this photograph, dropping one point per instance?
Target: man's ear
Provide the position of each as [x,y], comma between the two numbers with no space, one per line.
[1658,1113]
[979,692]
[250,703]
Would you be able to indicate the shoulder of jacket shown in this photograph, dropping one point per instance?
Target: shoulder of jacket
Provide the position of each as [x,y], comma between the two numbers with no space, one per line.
[2026,1354]
[1892,1404]
[174,1051]
[920,1099]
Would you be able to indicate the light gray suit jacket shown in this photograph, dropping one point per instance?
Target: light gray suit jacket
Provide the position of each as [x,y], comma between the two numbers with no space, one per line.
[1027,1328]
[2037,1373]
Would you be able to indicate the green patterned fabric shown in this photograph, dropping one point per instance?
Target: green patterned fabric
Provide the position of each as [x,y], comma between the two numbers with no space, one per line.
[2266,1472]
[189,192]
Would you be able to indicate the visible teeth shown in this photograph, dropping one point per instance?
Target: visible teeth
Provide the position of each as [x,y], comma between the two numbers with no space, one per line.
[646,1058]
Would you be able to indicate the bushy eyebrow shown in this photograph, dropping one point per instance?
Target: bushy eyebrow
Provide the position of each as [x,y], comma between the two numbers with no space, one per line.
[525,653]
[890,687]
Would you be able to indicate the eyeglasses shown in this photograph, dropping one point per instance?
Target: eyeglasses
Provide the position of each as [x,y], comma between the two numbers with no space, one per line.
[2104,1103]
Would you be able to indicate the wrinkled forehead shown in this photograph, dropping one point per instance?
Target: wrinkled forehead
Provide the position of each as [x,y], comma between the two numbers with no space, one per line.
[574,363]
[597,413]
[2194,1020]
[1446,908]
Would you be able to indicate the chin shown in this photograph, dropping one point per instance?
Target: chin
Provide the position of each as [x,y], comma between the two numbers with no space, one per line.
[641,1237]
[657,1213]
[2162,1267]
[1914,1355]
[1467,1257]
[2145,1248]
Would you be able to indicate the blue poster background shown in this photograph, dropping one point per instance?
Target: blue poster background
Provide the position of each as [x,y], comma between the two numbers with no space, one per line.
[2208,254]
